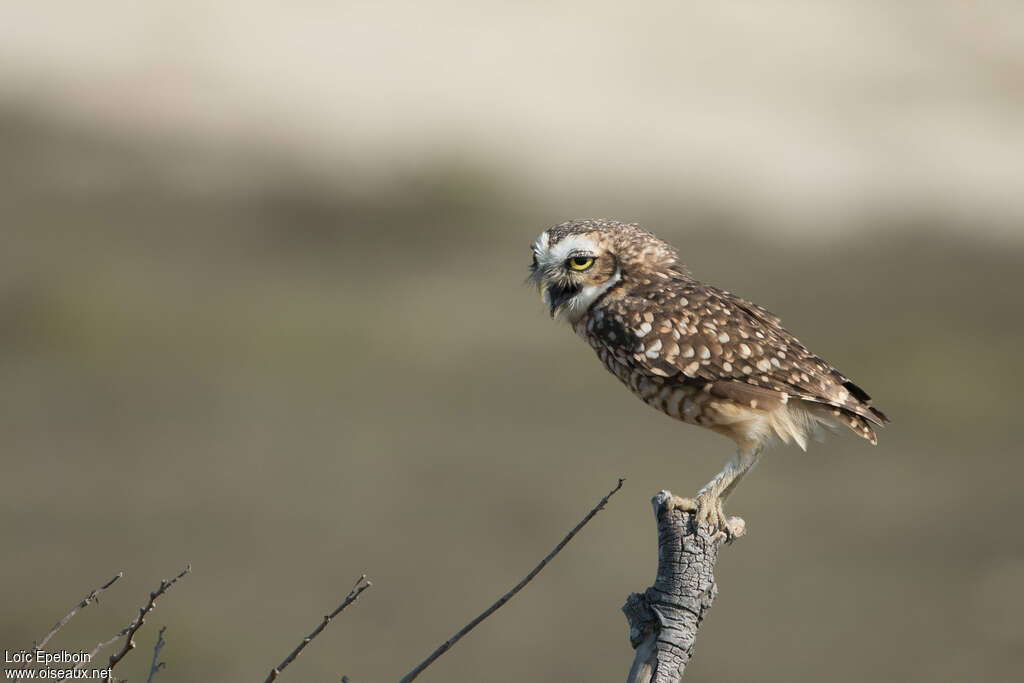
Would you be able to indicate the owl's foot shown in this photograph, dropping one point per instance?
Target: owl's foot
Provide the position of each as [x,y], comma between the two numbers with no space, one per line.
[710,513]
[684,504]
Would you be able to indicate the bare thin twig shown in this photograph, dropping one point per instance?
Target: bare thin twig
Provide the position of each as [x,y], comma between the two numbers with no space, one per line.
[358,587]
[447,645]
[157,665]
[136,623]
[92,597]
[131,625]
[99,646]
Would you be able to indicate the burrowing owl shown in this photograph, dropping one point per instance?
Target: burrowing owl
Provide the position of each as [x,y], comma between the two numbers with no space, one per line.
[693,351]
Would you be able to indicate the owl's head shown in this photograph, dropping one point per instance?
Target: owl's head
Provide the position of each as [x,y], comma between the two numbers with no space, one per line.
[578,262]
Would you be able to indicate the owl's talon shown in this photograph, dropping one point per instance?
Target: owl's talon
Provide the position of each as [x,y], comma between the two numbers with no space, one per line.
[737,528]
[709,513]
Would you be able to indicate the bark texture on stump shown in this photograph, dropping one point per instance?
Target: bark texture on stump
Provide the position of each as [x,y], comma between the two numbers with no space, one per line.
[663,620]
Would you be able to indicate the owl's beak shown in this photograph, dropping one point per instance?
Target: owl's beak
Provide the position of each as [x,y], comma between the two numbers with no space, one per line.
[557,294]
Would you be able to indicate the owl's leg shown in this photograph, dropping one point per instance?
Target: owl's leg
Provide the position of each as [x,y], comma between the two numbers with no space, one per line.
[748,459]
[709,498]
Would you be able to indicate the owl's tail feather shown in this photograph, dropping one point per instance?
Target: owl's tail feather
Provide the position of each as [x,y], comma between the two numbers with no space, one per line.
[836,417]
[859,425]
[874,414]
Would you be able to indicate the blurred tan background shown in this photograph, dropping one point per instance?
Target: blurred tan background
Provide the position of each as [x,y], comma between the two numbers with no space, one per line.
[261,311]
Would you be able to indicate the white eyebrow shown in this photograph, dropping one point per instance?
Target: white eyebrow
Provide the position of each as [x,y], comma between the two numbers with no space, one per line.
[570,245]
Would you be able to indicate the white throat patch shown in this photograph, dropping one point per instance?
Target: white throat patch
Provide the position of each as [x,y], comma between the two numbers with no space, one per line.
[578,305]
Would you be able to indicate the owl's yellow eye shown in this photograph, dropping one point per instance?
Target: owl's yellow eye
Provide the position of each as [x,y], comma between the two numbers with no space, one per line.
[580,262]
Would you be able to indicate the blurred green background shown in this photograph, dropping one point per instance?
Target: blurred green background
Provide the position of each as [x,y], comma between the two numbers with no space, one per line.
[288,364]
